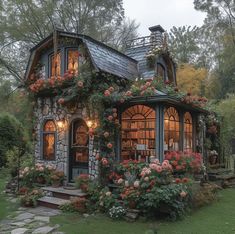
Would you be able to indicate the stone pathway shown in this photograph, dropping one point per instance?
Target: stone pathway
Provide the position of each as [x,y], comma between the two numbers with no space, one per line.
[30,220]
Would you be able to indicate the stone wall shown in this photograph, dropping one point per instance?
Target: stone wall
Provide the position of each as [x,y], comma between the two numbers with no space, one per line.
[47,108]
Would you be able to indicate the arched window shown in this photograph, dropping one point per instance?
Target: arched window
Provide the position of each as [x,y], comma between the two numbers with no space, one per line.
[49,136]
[171,129]
[188,132]
[138,132]
[161,71]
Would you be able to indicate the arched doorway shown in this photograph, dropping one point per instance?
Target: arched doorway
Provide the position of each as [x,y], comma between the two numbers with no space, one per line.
[78,149]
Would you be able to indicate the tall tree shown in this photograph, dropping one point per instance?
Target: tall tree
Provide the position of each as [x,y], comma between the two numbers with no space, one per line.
[23,23]
[219,28]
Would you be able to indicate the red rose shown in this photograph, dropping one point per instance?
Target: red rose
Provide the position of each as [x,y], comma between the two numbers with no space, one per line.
[177,180]
[110,145]
[185,180]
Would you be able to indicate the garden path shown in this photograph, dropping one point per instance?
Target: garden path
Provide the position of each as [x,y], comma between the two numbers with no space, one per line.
[29,220]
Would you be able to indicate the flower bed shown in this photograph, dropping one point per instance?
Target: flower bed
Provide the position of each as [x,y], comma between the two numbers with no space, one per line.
[148,187]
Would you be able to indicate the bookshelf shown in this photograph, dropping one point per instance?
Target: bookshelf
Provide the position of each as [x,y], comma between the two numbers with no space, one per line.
[138,129]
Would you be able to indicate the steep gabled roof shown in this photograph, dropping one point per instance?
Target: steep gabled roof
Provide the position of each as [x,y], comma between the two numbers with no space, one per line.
[103,57]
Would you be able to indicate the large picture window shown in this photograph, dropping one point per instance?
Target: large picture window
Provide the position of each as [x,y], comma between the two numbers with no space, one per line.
[73,60]
[56,65]
[171,129]
[49,136]
[188,132]
[138,132]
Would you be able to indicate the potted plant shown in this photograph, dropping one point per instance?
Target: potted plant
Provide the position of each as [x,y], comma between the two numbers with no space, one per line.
[82,182]
[30,199]
[57,178]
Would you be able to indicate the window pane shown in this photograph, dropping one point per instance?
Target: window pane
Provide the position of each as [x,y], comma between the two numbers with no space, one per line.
[56,65]
[49,126]
[171,129]
[138,130]
[48,146]
[73,56]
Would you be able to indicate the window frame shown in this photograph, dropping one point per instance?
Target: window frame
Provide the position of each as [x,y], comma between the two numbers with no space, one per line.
[175,130]
[43,133]
[192,131]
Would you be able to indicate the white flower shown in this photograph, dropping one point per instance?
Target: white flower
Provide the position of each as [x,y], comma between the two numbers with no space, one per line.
[136,184]
[108,193]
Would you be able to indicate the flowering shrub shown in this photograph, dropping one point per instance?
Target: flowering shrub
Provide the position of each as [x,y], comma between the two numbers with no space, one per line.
[79,204]
[106,200]
[185,162]
[40,173]
[117,212]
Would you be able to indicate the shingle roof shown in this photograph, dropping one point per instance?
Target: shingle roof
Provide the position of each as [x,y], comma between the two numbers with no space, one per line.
[138,53]
[111,61]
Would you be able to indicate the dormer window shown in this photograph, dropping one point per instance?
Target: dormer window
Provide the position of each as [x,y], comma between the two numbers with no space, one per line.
[56,65]
[73,60]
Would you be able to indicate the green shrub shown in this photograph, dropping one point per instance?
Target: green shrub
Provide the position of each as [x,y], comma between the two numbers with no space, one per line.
[12,160]
[12,135]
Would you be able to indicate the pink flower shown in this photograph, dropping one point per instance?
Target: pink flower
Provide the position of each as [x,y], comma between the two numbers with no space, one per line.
[145,171]
[159,169]
[153,166]
[41,169]
[120,181]
[183,194]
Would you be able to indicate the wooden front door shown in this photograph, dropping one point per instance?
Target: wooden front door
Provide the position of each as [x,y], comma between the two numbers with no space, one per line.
[79,149]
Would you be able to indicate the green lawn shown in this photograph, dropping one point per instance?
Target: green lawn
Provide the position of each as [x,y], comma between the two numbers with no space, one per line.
[6,207]
[218,218]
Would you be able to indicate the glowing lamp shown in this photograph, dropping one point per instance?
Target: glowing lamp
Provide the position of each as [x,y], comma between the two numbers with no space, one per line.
[60,124]
[91,124]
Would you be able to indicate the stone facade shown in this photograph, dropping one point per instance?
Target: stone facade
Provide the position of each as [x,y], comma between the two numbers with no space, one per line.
[49,109]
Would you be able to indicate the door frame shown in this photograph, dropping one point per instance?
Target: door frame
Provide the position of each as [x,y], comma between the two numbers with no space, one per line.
[70,151]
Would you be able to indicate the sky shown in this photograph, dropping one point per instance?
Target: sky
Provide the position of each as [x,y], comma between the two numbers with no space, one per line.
[167,13]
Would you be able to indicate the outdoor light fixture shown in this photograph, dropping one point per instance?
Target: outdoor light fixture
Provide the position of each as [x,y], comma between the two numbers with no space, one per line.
[91,124]
[61,124]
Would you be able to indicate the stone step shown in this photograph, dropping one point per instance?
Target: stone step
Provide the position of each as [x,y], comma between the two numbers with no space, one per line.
[51,202]
[63,193]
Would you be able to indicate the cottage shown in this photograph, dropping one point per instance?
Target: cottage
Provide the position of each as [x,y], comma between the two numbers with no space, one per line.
[152,117]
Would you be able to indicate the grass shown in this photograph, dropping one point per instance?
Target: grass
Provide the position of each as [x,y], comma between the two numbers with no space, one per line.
[6,207]
[218,218]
